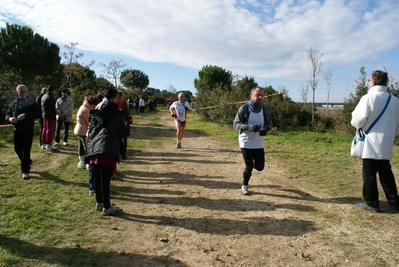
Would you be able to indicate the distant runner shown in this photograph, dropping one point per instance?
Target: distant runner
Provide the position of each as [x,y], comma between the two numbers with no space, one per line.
[178,110]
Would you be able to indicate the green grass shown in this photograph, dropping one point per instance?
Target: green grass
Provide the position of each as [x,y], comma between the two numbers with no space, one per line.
[45,222]
[320,163]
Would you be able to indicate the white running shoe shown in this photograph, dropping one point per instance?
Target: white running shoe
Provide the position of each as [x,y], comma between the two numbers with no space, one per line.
[244,189]
[81,165]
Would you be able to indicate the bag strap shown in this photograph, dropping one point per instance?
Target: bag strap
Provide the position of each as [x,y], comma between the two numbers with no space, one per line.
[379,116]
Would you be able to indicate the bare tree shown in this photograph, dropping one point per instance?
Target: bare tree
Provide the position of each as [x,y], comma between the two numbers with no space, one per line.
[70,55]
[304,90]
[73,70]
[327,77]
[113,70]
[314,57]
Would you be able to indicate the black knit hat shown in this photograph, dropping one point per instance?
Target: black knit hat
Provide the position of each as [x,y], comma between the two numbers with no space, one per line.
[51,88]
[111,93]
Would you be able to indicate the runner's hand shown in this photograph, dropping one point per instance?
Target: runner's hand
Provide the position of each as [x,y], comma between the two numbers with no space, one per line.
[254,128]
[243,128]
[262,131]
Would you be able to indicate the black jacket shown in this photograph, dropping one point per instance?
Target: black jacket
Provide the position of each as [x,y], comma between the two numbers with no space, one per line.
[21,106]
[48,106]
[39,102]
[106,129]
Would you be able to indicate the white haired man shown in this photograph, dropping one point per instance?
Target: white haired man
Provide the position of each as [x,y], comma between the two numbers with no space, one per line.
[22,114]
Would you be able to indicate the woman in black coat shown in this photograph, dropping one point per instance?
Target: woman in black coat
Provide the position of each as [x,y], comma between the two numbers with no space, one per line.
[103,148]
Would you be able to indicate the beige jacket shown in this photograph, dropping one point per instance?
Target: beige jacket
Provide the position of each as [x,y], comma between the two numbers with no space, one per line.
[64,108]
[82,120]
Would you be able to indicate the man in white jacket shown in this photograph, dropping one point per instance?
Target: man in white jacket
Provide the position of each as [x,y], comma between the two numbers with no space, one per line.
[379,141]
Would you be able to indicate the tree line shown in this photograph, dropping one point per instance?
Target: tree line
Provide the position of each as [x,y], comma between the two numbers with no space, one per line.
[28,58]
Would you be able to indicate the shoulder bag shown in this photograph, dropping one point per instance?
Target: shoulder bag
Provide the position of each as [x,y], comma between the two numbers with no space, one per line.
[360,135]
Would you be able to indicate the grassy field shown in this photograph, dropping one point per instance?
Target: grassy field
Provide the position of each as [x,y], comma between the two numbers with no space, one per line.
[318,162]
[38,216]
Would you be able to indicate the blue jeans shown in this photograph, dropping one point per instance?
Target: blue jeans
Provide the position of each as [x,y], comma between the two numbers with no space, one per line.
[58,130]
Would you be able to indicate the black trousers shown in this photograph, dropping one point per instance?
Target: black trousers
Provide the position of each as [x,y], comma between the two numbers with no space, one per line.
[370,191]
[102,180]
[82,145]
[123,147]
[22,145]
[40,130]
[253,158]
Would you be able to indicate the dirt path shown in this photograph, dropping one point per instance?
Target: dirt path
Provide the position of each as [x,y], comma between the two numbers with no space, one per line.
[185,208]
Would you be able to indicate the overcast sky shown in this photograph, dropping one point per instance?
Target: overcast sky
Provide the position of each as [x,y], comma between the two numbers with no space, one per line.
[171,40]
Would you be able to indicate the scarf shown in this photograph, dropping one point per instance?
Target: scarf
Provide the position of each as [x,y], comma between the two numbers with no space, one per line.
[255,107]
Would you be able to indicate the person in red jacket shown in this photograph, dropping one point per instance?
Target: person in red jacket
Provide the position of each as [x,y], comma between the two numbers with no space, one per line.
[49,118]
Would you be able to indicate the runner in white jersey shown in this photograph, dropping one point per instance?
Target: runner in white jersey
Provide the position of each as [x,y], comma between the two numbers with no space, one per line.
[178,110]
[253,122]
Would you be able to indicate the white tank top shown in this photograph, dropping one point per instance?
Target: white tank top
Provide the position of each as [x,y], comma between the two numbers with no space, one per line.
[249,139]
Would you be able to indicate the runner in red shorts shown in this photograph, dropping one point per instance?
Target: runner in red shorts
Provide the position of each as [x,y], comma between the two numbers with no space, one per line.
[178,110]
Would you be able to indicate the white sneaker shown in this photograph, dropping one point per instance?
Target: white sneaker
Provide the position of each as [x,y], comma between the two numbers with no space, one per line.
[65,143]
[81,165]
[56,144]
[43,146]
[244,189]
[51,147]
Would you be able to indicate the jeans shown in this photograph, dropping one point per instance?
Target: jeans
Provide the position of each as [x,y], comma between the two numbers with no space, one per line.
[58,130]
